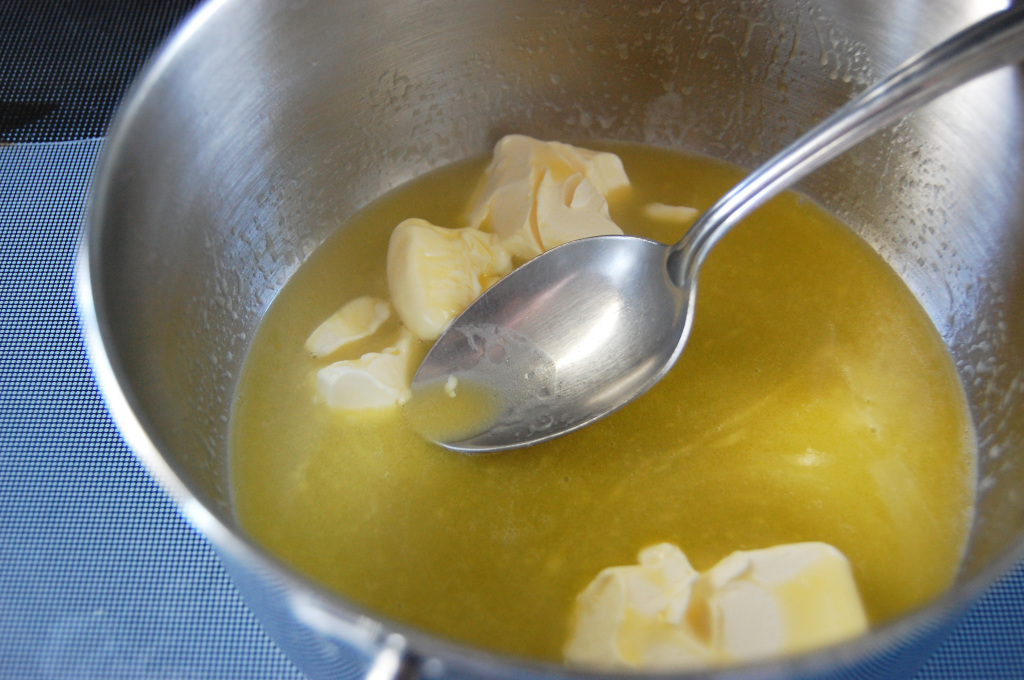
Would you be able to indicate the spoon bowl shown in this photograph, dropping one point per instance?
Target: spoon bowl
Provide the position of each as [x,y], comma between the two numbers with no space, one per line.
[585,328]
[580,333]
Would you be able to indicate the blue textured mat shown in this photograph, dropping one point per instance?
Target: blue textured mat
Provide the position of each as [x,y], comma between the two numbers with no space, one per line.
[100,578]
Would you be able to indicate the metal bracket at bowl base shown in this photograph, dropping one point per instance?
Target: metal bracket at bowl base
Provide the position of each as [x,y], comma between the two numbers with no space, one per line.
[388,652]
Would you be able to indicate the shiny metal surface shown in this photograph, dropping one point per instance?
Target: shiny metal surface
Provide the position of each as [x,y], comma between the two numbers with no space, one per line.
[264,124]
[570,337]
[588,327]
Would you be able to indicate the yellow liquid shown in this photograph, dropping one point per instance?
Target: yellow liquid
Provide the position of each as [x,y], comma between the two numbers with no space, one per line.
[814,402]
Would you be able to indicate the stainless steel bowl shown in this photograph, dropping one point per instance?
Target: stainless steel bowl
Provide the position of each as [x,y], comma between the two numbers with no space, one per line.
[262,123]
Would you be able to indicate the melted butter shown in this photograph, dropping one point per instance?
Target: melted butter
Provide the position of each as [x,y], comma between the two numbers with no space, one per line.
[451,412]
[814,402]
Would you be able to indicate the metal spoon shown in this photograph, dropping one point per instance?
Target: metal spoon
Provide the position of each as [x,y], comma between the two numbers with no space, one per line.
[587,327]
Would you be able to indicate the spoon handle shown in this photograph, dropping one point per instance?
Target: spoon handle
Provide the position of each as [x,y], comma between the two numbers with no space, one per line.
[984,46]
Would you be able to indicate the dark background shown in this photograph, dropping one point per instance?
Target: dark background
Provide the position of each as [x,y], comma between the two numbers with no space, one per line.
[65,64]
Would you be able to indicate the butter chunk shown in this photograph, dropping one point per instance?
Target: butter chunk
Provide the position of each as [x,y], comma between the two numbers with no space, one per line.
[682,215]
[602,168]
[434,272]
[569,210]
[781,600]
[632,617]
[663,615]
[537,195]
[356,319]
[373,381]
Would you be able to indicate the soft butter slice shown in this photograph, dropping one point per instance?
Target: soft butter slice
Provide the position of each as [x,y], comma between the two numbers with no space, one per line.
[373,381]
[434,272]
[537,195]
[356,319]
[683,215]
[661,614]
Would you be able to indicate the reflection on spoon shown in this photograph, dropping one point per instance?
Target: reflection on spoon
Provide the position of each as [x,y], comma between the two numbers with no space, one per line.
[587,327]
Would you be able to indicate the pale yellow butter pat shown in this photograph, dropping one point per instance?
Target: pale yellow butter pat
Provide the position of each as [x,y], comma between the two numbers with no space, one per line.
[682,215]
[537,195]
[434,272]
[450,385]
[357,319]
[663,615]
[374,380]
